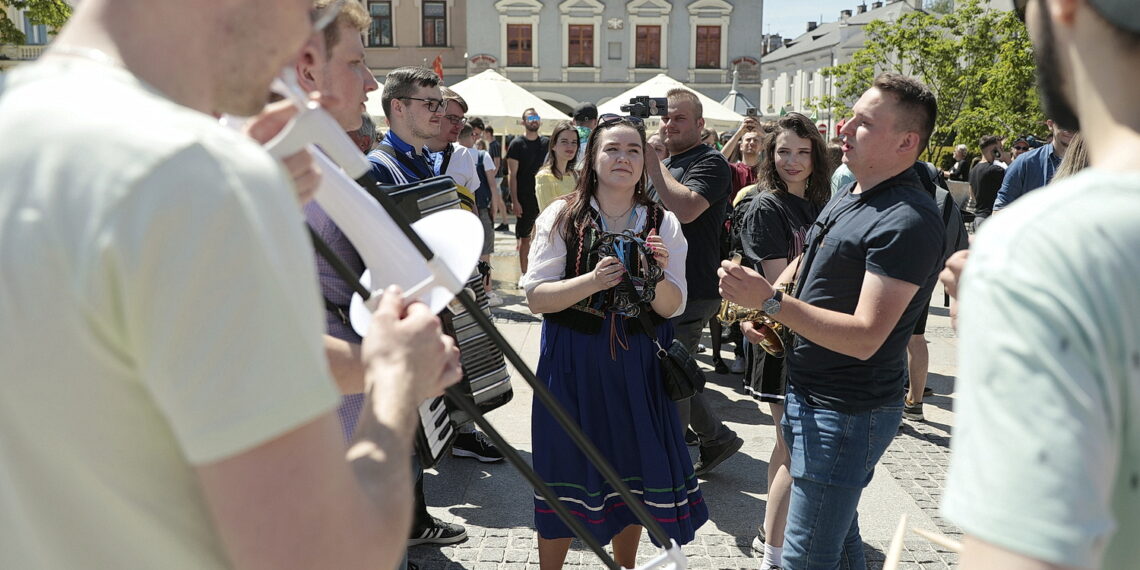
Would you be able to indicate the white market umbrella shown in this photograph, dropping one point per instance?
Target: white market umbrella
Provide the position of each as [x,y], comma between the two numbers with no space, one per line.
[500,102]
[716,116]
[497,100]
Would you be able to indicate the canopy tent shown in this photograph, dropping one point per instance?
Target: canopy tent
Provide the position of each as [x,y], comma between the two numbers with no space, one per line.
[736,100]
[495,99]
[716,116]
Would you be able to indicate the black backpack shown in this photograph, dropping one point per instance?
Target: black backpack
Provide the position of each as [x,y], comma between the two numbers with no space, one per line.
[956,236]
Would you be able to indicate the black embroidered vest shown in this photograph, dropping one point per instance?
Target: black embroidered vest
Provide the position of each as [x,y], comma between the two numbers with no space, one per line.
[582,255]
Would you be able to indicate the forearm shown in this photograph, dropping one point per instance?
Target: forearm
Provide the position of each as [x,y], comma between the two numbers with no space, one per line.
[684,203]
[380,459]
[345,364]
[730,146]
[846,334]
[555,296]
[667,299]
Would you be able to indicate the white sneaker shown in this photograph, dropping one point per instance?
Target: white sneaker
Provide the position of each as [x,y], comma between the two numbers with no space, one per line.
[493,299]
[737,366]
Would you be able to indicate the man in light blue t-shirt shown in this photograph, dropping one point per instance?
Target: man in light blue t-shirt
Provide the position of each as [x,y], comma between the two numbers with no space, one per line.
[1035,168]
[1045,471]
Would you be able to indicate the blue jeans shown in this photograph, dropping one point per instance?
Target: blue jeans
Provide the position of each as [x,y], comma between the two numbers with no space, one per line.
[833,459]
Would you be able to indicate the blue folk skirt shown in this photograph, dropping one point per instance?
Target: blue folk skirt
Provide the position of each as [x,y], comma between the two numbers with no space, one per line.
[610,385]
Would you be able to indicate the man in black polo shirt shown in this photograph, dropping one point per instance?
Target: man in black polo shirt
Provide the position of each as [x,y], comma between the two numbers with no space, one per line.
[872,259]
[695,183]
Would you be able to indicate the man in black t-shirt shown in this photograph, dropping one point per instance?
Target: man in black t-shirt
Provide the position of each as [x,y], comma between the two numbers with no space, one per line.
[986,179]
[872,259]
[524,157]
[695,183]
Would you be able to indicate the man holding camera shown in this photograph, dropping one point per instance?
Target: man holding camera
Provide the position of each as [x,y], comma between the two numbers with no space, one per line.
[694,183]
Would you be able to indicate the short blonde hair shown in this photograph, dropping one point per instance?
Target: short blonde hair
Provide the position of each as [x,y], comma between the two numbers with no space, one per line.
[679,94]
[351,13]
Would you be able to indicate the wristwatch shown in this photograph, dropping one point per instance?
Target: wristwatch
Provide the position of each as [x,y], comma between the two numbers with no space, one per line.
[772,306]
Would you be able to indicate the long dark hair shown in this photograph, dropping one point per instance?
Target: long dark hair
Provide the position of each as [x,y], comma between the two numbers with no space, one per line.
[576,215]
[551,162]
[818,189]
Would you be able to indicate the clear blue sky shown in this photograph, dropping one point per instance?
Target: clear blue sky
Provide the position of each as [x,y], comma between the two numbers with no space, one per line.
[789,18]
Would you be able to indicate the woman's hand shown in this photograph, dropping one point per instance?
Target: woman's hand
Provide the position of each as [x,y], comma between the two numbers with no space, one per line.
[660,252]
[607,273]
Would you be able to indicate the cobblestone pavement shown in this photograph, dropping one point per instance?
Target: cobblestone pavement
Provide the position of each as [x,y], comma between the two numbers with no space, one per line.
[493,501]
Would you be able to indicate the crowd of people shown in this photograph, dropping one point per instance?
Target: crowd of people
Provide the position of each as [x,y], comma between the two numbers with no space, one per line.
[196,397]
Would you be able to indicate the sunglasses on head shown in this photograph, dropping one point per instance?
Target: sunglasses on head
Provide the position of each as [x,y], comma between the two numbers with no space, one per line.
[612,118]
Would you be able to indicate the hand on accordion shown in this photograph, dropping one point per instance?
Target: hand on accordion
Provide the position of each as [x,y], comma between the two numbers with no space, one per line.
[406,350]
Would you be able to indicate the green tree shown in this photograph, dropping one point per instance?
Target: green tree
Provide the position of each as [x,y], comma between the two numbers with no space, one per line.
[52,13]
[978,62]
[940,6]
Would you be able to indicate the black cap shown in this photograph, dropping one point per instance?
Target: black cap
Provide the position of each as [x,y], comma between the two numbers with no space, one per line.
[585,112]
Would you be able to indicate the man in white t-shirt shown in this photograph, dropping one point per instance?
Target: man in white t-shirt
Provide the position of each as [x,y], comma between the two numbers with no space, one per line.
[1045,471]
[165,401]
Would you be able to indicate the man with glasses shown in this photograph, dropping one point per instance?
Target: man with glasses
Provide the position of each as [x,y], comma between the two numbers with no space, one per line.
[413,105]
[1034,168]
[1045,464]
[191,412]
[524,157]
[449,158]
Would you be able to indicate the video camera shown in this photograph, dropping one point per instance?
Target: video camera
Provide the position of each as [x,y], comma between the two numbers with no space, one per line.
[643,106]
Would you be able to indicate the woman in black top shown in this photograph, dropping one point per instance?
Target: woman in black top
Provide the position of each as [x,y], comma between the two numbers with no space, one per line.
[794,182]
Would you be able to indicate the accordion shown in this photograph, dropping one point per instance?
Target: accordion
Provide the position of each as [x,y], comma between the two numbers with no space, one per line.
[486,380]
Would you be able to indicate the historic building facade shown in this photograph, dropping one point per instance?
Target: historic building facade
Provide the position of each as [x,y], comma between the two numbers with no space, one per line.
[574,51]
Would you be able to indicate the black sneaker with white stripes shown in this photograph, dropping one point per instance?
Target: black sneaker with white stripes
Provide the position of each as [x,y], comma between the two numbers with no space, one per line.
[476,445]
[438,532]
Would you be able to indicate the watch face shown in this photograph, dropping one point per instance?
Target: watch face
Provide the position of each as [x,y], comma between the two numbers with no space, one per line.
[771,306]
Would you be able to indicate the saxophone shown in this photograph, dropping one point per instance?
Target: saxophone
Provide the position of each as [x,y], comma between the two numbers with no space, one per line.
[775,336]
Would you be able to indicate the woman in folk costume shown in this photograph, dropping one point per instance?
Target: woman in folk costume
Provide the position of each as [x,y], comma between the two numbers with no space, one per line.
[595,357]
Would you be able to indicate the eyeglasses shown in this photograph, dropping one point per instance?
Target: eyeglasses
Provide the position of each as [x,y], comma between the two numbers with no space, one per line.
[1019,9]
[322,17]
[612,118]
[457,121]
[432,105]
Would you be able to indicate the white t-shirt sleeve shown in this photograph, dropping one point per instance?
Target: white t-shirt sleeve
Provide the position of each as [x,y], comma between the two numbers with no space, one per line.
[1035,450]
[678,248]
[547,260]
[221,301]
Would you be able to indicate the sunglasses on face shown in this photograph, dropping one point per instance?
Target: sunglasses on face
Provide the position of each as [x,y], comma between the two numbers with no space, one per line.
[432,105]
[1021,148]
[532,118]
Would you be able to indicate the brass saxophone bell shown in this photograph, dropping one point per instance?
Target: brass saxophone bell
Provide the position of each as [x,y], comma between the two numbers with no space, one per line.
[776,337]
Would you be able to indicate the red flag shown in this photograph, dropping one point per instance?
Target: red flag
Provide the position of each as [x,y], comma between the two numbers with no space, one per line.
[437,66]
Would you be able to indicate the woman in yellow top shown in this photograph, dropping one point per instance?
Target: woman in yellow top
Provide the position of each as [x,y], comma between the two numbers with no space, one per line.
[557,176]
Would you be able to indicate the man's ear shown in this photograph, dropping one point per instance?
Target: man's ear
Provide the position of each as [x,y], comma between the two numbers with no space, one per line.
[701,124]
[306,65]
[909,143]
